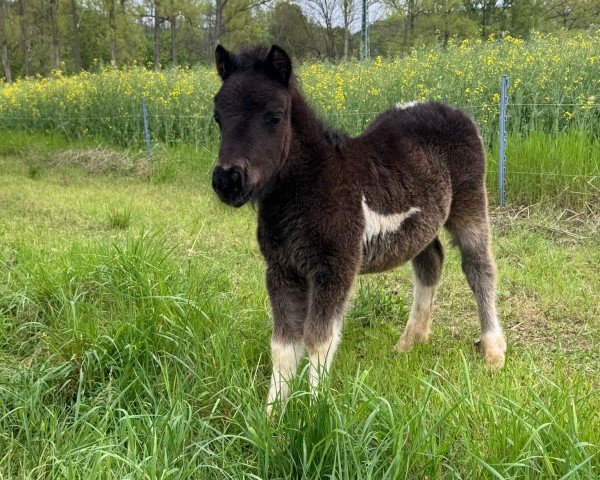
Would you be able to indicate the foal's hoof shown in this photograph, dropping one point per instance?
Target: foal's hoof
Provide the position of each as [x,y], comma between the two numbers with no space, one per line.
[404,344]
[407,341]
[494,347]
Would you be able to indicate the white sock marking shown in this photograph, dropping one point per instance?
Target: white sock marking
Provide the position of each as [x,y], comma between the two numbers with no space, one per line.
[419,321]
[321,358]
[285,357]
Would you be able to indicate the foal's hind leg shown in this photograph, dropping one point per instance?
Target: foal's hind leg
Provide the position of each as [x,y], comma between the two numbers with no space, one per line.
[427,267]
[472,236]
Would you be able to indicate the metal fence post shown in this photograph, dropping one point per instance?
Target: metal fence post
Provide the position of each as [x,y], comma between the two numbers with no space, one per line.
[502,150]
[146,132]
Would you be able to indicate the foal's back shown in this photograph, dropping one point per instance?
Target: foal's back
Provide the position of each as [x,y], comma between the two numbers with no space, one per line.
[430,141]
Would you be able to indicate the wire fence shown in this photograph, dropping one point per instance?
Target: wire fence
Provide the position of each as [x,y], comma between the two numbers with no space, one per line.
[534,148]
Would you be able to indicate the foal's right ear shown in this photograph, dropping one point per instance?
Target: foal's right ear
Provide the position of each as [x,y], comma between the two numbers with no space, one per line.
[225,62]
[278,65]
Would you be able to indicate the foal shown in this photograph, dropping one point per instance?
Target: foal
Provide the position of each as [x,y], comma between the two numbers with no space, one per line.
[331,207]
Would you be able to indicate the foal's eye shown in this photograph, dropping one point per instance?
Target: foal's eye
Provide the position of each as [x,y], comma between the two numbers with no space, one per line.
[274,118]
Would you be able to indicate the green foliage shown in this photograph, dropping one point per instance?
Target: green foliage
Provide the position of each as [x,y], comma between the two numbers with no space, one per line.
[554,85]
[44,35]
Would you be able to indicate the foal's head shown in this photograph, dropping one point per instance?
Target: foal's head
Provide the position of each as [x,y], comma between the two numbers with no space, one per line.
[252,109]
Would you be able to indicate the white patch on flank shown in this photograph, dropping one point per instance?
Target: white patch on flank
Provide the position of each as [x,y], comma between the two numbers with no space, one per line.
[404,106]
[380,224]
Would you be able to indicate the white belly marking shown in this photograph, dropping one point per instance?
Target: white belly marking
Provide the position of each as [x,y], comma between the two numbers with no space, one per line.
[380,224]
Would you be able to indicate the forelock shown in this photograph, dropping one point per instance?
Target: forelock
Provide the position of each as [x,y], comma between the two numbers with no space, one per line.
[251,59]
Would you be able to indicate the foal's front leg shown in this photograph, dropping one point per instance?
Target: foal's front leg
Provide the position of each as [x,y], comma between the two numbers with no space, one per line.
[323,326]
[288,294]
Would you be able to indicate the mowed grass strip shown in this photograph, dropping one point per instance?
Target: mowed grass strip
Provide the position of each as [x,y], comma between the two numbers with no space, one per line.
[134,344]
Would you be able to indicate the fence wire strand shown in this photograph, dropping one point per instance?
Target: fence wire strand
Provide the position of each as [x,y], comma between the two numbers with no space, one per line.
[161,116]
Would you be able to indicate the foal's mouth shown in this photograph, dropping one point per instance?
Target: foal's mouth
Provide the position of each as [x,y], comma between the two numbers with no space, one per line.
[237,201]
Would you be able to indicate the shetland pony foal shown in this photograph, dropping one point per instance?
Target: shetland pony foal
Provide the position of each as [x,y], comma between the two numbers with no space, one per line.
[332,207]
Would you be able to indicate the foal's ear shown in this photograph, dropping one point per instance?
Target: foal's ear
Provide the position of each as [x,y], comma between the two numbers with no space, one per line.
[278,65]
[225,62]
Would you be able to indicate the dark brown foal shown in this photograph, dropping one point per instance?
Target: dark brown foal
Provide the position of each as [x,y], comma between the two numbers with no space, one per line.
[331,207]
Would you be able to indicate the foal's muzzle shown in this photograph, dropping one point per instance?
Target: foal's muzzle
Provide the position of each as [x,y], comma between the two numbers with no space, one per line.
[230,185]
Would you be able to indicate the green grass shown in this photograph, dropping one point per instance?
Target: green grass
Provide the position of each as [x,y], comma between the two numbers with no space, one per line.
[562,169]
[142,351]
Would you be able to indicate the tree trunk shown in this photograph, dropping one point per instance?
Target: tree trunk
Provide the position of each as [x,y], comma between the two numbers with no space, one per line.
[76,36]
[6,63]
[346,12]
[173,21]
[4,42]
[55,33]
[156,53]
[24,40]
[346,42]
[405,32]
[219,7]
[330,40]
[112,32]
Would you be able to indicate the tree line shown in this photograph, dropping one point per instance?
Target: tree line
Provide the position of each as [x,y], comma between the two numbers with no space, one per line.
[39,36]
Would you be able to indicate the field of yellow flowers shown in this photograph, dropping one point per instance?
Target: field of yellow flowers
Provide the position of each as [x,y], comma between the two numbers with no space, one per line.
[554,87]
[554,83]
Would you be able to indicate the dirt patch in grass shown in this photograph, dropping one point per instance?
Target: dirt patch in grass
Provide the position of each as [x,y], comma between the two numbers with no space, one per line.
[559,225]
[102,161]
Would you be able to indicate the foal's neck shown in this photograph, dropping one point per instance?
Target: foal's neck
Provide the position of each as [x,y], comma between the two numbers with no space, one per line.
[310,138]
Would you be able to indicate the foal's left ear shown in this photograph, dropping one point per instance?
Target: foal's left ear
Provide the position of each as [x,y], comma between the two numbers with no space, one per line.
[278,65]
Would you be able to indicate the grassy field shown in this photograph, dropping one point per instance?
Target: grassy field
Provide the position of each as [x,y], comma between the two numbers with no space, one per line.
[134,331]
[134,324]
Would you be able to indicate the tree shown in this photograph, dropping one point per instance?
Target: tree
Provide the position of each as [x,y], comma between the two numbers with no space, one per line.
[410,10]
[24,36]
[444,19]
[156,35]
[349,10]
[289,28]
[226,12]
[76,36]
[323,12]
[485,12]
[569,14]
[111,10]
[54,32]
[4,42]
